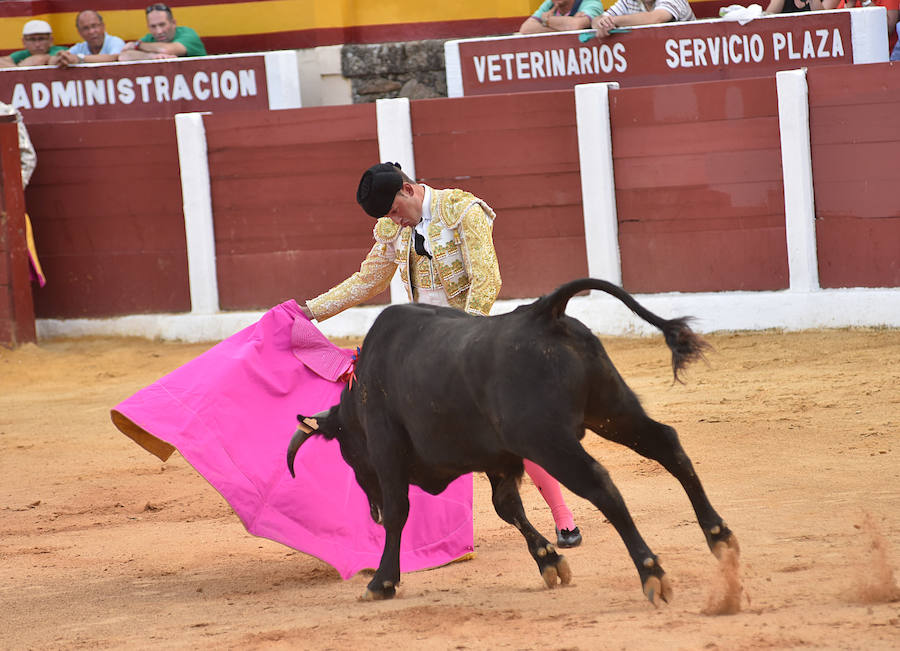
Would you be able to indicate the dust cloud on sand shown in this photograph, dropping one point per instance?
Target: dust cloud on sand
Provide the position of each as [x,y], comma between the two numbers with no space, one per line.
[875,582]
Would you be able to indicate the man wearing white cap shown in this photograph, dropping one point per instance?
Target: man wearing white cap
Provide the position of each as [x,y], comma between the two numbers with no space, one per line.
[37,37]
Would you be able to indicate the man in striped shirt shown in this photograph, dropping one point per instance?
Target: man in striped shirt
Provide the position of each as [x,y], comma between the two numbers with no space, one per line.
[628,13]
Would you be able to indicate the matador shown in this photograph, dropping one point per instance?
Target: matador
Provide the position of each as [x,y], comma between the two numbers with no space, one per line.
[442,241]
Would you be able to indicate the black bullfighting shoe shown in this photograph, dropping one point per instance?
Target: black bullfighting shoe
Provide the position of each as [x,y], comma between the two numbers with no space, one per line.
[568,537]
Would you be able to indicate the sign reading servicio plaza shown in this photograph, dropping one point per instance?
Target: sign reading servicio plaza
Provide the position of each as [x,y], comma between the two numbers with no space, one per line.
[665,54]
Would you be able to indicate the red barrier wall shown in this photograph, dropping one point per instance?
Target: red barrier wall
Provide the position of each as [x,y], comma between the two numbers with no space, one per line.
[697,170]
[698,186]
[854,123]
[284,198]
[105,203]
[520,154]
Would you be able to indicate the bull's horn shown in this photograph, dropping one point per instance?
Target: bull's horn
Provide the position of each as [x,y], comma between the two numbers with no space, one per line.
[297,440]
[306,427]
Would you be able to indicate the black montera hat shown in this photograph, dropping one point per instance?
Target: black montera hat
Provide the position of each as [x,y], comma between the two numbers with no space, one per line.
[378,187]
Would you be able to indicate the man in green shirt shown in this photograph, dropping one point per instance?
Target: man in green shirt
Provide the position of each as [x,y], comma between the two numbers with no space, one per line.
[166,38]
[37,37]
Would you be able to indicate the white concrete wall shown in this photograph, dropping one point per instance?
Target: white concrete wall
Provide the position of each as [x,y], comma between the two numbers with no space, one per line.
[321,82]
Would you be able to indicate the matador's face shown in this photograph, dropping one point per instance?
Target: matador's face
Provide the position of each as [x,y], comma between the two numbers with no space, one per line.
[407,207]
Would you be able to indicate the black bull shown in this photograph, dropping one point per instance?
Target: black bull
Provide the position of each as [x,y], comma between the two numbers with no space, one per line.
[440,393]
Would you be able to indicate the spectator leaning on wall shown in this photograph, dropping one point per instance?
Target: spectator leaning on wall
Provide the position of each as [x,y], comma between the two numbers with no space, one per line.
[561,16]
[628,13]
[795,6]
[37,37]
[97,46]
[165,40]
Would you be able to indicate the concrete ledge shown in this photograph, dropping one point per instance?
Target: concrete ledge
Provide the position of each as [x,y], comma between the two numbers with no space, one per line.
[787,310]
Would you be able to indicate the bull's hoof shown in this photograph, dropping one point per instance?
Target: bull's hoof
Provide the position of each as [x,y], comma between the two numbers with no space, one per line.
[564,571]
[658,589]
[726,545]
[566,538]
[559,572]
[386,590]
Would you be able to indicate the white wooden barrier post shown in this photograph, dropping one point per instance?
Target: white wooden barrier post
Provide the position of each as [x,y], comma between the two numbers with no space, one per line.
[796,166]
[598,185]
[867,33]
[283,80]
[453,69]
[198,217]
[395,145]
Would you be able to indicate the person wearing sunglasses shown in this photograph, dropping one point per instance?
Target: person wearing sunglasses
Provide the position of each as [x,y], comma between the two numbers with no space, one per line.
[165,39]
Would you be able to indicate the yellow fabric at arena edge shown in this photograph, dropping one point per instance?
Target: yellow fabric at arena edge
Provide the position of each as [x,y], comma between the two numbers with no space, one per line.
[267,16]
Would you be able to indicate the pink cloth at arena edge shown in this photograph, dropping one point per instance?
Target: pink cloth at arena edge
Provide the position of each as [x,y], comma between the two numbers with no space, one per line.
[231,413]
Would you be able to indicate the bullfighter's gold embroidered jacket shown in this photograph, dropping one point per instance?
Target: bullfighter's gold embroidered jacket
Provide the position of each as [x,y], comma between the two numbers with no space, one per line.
[464,263]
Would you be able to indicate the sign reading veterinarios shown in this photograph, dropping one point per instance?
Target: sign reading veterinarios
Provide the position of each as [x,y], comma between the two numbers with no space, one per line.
[664,54]
[153,89]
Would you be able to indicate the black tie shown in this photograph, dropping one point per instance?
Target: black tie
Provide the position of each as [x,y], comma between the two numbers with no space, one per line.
[419,243]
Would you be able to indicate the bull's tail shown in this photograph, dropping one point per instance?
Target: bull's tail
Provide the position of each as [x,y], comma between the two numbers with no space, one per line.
[685,344]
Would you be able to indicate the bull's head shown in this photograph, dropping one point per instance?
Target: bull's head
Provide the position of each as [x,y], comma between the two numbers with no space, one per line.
[330,425]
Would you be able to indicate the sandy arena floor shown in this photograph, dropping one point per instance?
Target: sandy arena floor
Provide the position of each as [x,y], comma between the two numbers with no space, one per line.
[795,436]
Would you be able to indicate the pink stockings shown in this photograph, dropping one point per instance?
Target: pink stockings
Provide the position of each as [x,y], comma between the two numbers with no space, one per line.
[552,494]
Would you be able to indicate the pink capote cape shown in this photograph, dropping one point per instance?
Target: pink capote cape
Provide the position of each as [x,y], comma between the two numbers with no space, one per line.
[231,413]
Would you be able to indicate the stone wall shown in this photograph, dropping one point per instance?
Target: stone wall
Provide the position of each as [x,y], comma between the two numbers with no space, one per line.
[413,69]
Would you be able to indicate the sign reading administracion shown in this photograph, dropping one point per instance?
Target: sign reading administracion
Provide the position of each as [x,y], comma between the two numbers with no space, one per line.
[122,91]
[665,54]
